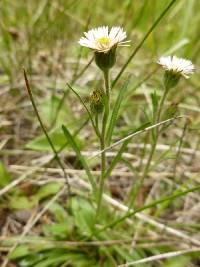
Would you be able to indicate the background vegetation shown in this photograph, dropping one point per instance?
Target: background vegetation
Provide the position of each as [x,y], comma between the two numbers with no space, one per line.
[40,224]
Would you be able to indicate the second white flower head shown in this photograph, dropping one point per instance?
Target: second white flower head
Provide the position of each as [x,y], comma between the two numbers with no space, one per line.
[102,40]
[177,65]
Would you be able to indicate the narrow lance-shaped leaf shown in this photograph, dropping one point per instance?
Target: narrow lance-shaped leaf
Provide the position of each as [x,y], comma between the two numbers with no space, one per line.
[75,147]
[115,112]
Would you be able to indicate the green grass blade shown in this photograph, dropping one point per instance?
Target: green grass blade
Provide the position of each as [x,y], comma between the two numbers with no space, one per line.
[178,46]
[143,40]
[189,8]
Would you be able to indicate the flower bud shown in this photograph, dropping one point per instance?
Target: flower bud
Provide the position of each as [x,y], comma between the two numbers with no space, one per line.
[171,78]
[97,101]
[106,60]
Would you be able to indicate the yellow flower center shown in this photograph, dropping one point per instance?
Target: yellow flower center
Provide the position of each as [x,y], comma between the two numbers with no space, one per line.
[105,41]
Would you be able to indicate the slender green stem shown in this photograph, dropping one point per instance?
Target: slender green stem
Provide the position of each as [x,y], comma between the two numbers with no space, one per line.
[102,178]
[103,140]
[107,88]
[147,166]
[179,147]
[96,119]
[154,143]
[162,101]
[45,131]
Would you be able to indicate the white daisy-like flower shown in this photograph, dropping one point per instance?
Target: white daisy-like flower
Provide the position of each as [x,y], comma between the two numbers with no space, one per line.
[102,40]
[177,65]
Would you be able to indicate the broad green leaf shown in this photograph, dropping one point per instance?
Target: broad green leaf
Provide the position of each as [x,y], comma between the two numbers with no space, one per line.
[84,215]
[181,261]
[62,230]
[22,202]
[49,108]
[5,177]
[26,202]
[41,143]
[59,212]
[48,190]
[20,251]
[55,261]
[81,260]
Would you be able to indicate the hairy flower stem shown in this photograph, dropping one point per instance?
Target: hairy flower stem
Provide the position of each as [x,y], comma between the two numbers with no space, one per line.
[152,151]
[179,148]
[162,101]
[107,88]
[96,118]
[153,148]
[103,140]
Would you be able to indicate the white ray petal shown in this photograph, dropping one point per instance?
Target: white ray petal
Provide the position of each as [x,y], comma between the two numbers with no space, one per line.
[180,66]
[101,40]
